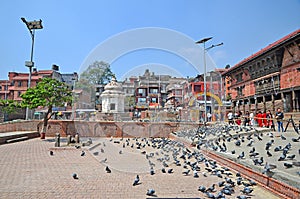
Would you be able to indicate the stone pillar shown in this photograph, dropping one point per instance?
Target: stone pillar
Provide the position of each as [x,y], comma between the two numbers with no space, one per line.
[57,140]
[77,139]
[69,139]
[273,103]
[294,105]
[264,103]
[256,105]
[249,104]
[283,102]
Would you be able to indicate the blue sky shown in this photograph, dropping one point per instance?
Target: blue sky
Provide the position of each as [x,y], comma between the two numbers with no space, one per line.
[74,29]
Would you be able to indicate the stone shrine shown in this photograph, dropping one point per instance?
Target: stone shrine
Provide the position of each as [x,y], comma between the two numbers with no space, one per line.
[113,98]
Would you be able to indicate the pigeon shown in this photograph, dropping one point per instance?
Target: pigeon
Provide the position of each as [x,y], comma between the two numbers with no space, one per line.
[51,153]
[136,180]
[243,197]
[104,160]
[250,143]
[102,150]
[252,182]
[238,143]
[247,190]
[221,184]
[241,156]
[281,158]
[278,148]
[186,172]
[107,169]
[77,147]
[196,174]
[269,154]
[170,170]
[120,152]
[291,157]
[252,150]
[210,195]
[163,170]
[82,153]
[74,175]
[282,137]
[201,188]
[96,153]
[226,191]
[150,192]
[152,171]
[287,165]
[211,188]
[297,164]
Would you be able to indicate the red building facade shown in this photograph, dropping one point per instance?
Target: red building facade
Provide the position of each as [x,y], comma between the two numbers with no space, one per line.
[269,79]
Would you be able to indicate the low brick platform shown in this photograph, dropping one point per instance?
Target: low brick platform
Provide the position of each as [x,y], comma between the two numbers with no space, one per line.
[27,170]
[16,136]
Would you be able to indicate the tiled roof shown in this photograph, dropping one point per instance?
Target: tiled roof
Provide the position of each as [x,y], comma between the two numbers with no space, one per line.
[276,43]
[26,77]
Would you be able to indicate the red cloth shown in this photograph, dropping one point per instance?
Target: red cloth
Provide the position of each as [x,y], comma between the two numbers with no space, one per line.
[265,122]
[259,120]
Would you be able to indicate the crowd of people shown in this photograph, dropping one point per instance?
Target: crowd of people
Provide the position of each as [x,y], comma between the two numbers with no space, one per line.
[261,119]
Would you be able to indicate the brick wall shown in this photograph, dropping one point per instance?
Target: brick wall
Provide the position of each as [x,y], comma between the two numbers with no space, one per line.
[290,76]
[99,129]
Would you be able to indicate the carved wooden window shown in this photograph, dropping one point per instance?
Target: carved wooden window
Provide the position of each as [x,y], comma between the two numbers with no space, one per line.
[239,77]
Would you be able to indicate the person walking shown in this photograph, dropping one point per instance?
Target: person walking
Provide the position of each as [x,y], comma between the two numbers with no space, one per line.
[247,119]
[251,119]
[230,117]
[279,116]
[270,122]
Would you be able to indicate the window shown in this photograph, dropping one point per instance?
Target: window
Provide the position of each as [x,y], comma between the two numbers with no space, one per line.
[153,100]
[142,92]
[19,83]
[178,92]
[141,100]
[112,106]
[19,93]
[239,77]
[197,88]
[0,88]
[153,90]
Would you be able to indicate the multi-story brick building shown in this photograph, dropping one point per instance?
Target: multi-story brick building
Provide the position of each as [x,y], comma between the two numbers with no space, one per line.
[268,79]
[17,84]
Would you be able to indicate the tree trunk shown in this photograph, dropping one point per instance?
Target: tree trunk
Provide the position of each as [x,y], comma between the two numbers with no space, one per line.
[45,122]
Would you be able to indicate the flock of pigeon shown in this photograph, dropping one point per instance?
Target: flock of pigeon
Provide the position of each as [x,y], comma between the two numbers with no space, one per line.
[268,152]
[165,156]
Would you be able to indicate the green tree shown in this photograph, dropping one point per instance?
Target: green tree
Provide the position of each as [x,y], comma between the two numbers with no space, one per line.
[97,73]
[47,93]
[9,106]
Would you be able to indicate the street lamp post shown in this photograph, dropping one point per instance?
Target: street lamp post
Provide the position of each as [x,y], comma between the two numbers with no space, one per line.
[32,26]
[74,79]
[203,41]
